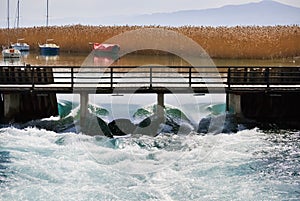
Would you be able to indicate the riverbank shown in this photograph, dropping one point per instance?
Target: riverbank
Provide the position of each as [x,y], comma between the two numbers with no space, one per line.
[249,42]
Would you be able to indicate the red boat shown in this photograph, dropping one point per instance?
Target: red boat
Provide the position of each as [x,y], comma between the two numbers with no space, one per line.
[106,49]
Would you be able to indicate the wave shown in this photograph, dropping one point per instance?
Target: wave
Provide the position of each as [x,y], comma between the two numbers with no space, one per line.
[44,165]
[216,109]
[68,108]
[143,121]
[65,107]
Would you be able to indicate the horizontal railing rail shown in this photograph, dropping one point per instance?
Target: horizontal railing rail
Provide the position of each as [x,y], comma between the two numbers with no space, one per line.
[67,78]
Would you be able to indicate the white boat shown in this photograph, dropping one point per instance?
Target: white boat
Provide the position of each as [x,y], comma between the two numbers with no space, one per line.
[20,46]
[11,53]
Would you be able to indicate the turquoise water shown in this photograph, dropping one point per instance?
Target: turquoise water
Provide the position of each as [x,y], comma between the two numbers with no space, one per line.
[252,164]
[249,165]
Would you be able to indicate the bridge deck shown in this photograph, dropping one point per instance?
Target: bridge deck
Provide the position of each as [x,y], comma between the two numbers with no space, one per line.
[148,79]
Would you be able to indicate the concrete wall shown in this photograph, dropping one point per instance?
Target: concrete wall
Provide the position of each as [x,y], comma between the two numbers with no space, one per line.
[266,107]
[17,107]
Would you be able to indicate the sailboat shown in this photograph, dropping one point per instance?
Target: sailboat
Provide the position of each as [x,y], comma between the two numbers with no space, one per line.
[10,52]
[49,48]
[19,45]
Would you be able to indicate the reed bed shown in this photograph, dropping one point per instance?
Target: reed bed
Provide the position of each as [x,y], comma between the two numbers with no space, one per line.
[219,42]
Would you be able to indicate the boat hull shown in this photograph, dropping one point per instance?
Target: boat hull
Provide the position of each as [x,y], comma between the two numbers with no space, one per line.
[11,53]
[21,47]
[106,50]
[112,54]
[49,51]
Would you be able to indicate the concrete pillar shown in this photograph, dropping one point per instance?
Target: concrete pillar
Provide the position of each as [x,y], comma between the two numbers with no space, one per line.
[160,105]
[235,104]
[84,99]
[227,102]
[11,106]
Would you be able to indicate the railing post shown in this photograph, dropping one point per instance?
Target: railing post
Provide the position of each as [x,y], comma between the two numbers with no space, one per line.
[229,78]
[245,74]
[150,77]
[32,77]
[190,76]
[111,76]
[72,77]
[267,76]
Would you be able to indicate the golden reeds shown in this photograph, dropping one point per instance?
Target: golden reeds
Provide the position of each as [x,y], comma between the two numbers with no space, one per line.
[219,42]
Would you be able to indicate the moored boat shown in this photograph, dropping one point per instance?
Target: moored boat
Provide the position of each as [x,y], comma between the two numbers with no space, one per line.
[49,48]
[11,53]
[20,46]
[106,49]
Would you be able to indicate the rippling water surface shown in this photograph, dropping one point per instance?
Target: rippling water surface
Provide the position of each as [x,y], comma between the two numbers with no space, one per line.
[249,165]
[77,59]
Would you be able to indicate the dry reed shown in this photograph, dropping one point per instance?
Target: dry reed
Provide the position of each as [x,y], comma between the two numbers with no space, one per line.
[219,42]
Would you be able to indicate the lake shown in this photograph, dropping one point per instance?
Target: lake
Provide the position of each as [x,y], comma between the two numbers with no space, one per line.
[77,59]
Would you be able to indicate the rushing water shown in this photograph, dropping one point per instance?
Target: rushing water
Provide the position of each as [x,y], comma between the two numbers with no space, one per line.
[251,164]
[248,165]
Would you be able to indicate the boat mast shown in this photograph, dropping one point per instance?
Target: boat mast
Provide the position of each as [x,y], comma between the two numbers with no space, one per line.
[47,15]
[18,15]
[7,14]
[8,22]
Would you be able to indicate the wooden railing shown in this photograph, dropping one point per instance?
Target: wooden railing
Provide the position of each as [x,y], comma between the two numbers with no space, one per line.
[66,79]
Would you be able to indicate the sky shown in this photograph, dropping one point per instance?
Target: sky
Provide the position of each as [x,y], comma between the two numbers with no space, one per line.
[33,12]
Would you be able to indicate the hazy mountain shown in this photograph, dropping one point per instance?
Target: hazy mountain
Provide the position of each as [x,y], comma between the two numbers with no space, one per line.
[266,12]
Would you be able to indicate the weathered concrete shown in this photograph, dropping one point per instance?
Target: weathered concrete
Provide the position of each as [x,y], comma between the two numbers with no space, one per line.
[11,105]
[235,104]
[160,105]
[17,107]
[84,100]
[282,107]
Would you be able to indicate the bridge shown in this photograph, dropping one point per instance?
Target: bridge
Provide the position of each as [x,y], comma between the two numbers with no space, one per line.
[84,80]
[148,79]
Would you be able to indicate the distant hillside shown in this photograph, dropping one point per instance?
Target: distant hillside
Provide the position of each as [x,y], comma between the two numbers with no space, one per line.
[266,13]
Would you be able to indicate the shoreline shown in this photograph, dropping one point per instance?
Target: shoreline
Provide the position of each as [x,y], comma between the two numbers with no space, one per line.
[240,42]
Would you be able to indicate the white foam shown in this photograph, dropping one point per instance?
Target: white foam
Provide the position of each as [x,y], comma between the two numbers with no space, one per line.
[49,166]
